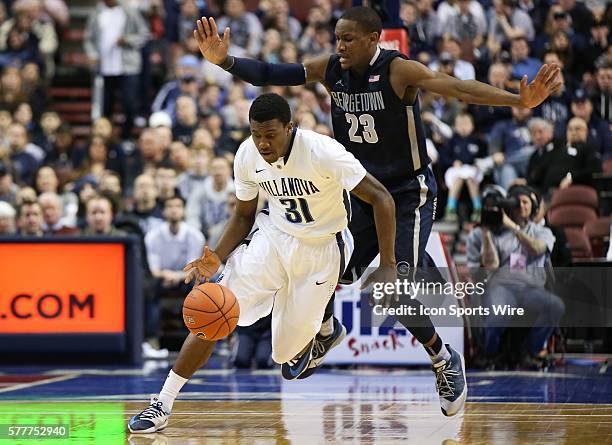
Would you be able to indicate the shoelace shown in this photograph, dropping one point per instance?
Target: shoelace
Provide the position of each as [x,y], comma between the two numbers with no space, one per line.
[154,410]
[445,387]
[318,349]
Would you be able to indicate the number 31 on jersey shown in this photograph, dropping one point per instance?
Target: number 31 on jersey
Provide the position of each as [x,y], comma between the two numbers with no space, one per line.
[367,122]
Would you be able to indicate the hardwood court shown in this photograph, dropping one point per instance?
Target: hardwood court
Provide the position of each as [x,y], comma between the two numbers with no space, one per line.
[378,423]
[355,407]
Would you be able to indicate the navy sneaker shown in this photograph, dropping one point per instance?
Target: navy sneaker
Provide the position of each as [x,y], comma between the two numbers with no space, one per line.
[450,383]
[322,346]
[152,419]
[292,369]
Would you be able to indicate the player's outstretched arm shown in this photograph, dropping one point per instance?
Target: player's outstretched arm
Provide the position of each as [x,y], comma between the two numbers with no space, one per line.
[236,229]
[216,50]
[530,95]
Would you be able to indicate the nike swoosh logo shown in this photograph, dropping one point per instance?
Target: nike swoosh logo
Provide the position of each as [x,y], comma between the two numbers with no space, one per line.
[300,366]
[259,171]
[322,282]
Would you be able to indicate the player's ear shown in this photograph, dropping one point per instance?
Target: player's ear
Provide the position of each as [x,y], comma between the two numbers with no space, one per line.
[289,128]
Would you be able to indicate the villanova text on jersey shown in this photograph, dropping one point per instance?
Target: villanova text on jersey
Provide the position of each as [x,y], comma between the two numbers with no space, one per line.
[289,187]
[374,124]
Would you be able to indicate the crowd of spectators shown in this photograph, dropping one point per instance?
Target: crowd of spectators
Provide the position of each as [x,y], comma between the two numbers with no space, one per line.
[161,167]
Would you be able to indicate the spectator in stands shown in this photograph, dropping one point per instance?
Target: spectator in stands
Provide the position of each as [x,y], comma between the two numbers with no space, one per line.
[170,246]
[598,43]
[570,162]
[100,214]
[115,53]
[600,133]
[206,206]
[6,119]
[468,26]
[186,119]
[558,20]
[602,96]
[34,89]
[255,345]
[246,30]
[49,124]
[522,64]
[23,115]
[458,157]
[448,10]
[7,218]
[25,194]
[62,156]
[278,17]
[215,232]
[146,208]
[556,108]
[428,24]
[47,181]
[25,156]
[511,138]
[179,157]
[18,42]
[582,17]
[54,221]
[194,178]
[507,23]
[30,219]
[485,117]
[110,183]
[148,156]
[165,181]
[8,189]
[11,89]
[450,59]
[186,83]
[513,256]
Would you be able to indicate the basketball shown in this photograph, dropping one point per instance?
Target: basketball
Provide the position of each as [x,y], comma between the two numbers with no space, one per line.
[211,311]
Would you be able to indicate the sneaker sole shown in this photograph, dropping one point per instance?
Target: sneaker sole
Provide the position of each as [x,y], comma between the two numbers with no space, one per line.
[153,429]
[310,371]
[460,402]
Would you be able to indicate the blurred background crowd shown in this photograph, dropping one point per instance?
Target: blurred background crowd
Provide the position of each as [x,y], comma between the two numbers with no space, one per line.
[111,122]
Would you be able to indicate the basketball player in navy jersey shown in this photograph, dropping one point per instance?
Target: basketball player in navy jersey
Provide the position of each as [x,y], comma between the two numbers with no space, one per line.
[375,115]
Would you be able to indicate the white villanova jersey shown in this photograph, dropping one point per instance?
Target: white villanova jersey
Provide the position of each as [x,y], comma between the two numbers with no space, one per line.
[305,188]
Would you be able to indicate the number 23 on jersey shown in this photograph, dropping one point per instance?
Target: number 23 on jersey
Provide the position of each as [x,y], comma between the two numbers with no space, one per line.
[368,131]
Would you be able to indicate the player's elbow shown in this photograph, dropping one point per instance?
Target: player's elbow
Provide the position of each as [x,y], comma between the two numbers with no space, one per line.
[382,199]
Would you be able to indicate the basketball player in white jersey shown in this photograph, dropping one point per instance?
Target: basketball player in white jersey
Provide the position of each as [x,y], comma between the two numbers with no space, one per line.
[293,261]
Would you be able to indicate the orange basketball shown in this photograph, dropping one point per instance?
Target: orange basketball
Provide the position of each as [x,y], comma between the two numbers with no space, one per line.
[211,311]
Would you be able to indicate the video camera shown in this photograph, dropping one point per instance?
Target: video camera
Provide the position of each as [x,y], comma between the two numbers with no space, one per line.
[494,203]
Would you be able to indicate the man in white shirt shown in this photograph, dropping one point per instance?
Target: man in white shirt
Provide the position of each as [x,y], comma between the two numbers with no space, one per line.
[300,248]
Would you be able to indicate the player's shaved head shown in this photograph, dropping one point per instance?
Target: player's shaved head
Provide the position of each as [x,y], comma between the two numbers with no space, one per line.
[366,18]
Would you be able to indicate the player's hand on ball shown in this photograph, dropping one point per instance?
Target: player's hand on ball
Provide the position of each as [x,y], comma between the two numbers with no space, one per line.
[383,275]
[212,47]
[206,266]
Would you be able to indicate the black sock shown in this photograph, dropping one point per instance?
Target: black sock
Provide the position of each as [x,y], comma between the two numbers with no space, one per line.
[329,309]
[435,348]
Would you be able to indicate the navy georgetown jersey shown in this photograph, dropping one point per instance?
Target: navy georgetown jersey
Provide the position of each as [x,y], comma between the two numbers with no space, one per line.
[373,123]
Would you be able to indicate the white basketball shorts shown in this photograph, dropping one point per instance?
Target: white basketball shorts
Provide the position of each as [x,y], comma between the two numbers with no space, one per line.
[293,278]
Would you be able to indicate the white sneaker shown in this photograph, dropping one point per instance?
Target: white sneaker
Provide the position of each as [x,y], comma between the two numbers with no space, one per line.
[152,419]
[149,351]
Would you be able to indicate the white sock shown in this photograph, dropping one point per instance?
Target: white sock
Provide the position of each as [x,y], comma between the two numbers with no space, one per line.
[442,355]
[171,389]
[327,327]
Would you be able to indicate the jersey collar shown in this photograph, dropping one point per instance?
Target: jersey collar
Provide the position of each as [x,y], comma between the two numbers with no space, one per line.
[376,54]
[280,162]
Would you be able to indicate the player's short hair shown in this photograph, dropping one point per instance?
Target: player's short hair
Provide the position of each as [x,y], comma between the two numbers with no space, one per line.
[270,106]
[366,18]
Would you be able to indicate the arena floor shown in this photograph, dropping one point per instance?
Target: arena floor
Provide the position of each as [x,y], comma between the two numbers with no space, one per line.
[570,405]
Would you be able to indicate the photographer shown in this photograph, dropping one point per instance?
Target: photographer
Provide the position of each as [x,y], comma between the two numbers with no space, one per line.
[514,252]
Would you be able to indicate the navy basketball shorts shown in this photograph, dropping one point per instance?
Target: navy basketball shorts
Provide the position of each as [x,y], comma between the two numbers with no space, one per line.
[415,209]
